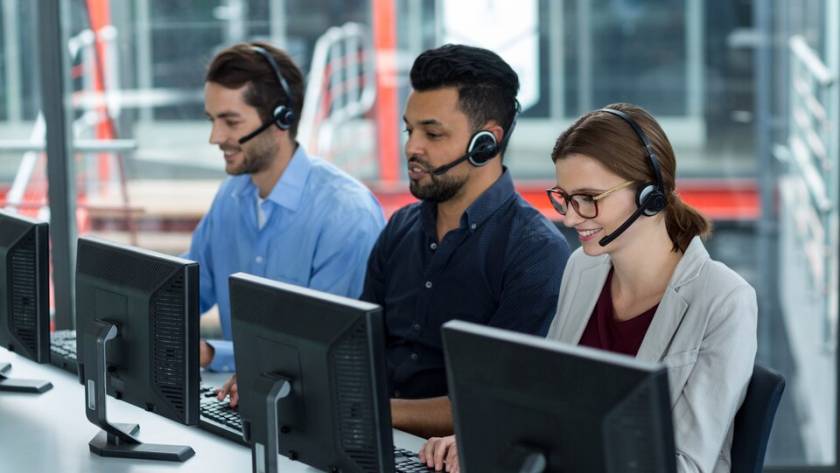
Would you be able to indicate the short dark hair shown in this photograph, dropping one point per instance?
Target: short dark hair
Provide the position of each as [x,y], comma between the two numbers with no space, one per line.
[487,85]
[240,64]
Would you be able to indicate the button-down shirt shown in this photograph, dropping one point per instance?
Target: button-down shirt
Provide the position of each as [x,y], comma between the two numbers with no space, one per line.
[501,267]
[320,225]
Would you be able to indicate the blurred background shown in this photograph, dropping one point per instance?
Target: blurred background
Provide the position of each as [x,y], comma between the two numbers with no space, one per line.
[746,90]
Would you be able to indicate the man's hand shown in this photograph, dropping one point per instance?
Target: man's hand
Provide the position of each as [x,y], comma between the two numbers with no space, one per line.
[206,353]
[229,388]
[440,453]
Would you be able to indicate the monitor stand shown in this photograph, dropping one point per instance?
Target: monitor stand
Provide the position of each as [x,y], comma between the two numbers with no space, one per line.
[116,440]
[526,459]
[264,451]
[33,386]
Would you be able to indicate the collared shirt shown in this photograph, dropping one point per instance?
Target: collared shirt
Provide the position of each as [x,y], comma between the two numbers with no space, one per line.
[502,267]
[320,225]
[260,212]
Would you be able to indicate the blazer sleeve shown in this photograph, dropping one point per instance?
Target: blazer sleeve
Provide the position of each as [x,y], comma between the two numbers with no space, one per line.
[704,412]
[564,297]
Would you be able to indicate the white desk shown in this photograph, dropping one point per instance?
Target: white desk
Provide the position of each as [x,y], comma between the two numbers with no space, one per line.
[50,433]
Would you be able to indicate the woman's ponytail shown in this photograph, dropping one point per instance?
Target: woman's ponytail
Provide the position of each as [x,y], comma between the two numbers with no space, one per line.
[684,223]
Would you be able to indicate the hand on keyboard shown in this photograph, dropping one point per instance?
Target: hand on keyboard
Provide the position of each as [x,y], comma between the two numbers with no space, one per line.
[406,461]
[440,453]
[229,389]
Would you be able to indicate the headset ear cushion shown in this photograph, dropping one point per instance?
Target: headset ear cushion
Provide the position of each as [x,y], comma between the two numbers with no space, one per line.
[482,148]
[650,199]
[283,117]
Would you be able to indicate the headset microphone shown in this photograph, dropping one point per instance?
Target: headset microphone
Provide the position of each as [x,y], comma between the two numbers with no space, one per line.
[283,115]
[650,196]
[482,146]
[446,167]
[624,226]
[481,149]
[256,132]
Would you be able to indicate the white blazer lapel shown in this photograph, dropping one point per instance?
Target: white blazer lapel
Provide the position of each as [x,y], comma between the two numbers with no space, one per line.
[583,303]
[667,319]
[673,307]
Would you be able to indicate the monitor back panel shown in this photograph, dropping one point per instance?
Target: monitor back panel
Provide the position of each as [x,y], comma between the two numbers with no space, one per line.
[587,411]
[331,349]
[153,300]
[24,287]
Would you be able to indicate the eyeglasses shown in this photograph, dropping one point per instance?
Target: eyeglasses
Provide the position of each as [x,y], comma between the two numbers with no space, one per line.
[585,205]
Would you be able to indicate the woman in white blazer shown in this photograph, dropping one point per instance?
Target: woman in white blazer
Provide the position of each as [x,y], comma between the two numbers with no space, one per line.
[643,284]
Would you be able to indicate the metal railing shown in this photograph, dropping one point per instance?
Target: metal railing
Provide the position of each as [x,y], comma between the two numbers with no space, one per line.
[808,235]
[103,166]
[810,193]
[341,87]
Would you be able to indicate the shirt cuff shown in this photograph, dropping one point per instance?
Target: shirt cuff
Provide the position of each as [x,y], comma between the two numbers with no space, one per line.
[223,361]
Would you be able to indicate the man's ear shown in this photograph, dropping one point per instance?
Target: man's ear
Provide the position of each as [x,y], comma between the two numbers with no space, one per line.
[493,127]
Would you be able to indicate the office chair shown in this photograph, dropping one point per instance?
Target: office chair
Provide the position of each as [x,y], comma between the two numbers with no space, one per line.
[754,420]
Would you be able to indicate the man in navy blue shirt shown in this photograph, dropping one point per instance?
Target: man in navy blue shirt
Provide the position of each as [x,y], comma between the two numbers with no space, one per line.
[472,249]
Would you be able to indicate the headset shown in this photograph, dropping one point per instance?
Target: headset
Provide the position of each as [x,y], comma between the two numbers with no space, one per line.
[482,146]
[284,115]
[650,196]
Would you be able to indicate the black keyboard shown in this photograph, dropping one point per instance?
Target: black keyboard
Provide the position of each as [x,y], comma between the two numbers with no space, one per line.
[406,461]
[216,417]
[219,418]
[63,350]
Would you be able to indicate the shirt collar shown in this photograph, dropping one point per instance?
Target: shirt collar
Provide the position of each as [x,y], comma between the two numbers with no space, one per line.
[490,200]
[480,210]
[288,191]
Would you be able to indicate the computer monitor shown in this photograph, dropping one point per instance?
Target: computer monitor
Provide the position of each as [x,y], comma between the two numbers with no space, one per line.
[525,404]
[24,296]
[311,377]
[137,340]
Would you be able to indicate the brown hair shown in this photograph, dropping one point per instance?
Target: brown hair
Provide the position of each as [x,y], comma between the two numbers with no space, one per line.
[240,64]
[612,142]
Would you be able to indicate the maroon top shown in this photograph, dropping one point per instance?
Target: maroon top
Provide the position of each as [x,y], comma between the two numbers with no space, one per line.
[605,332]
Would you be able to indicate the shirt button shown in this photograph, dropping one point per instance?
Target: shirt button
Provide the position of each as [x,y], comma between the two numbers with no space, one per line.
[415,356]
[473,226]
[259,259]
[433,246]
[428,284]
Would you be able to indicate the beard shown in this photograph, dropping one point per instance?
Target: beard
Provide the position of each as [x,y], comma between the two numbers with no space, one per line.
[257,157]
[440,189]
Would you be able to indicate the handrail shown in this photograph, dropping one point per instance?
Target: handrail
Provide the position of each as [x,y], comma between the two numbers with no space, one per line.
[353,42]
[101,101]
[806,140]
[811,60]
[27,162]
[81,146]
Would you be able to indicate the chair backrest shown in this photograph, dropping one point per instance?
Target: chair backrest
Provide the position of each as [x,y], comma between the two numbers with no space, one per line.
[754,420]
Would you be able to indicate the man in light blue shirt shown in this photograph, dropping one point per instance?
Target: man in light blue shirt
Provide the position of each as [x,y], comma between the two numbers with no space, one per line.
[282,214]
